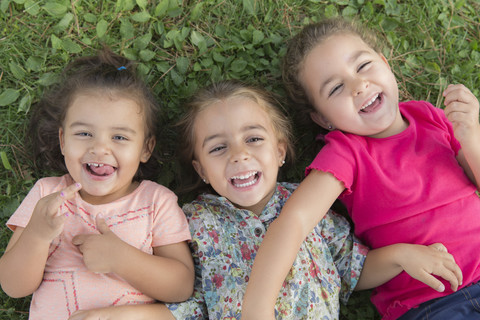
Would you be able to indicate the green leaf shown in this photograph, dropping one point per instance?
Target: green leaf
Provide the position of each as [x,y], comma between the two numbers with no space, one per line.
[8,97]
[5,162]
[258,36]
[141,17]
[70,46]
[34,63]
[17,71]
[182,64]
[146,55]
[124,5]
[197,11]
[143,41]
[55,9]
[127,30]
[161,9]
[198,40]
[101,28]
[31,7]
[238,65]
[25,103]
[47,79]
[56,42]
[250,6]
[65,22]
[142,4]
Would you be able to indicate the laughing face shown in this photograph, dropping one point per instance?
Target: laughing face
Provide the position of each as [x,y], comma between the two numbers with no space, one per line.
[237,152]
[103,142]
[352,88]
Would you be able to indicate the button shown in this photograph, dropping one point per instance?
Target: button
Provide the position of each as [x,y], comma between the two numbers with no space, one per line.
[258,231]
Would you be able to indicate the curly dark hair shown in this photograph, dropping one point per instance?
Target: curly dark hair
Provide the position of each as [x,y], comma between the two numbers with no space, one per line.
[105,71]
[210,95]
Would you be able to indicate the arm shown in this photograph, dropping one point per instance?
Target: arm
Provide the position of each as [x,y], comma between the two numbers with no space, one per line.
[156,311]
[23,263]
[283,239]
[167,275]
[420,262]
[462,109]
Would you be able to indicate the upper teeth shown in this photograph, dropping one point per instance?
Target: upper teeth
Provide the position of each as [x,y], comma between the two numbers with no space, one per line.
[95,164]
[370,102]
[248,175]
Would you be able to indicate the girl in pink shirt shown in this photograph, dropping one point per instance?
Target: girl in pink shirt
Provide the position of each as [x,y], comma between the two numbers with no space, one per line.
[407,173]
[102,234]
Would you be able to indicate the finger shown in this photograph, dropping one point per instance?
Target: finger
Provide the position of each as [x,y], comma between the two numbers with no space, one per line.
[439,247]
[102,226]
[432,282]
[66,194]
[461,94]
[79,240]
[448,276]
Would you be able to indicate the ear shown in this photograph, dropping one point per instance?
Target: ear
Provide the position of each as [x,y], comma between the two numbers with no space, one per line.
[61,138]
[147,150]
[384,60]
[320,120]
[282,152]
[198,167]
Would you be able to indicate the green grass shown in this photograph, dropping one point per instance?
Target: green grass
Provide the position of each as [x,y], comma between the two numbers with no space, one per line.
[182,45]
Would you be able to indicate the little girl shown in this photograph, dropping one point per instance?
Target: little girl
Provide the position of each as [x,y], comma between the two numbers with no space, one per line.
[406,172]
[237,140]
[101,235]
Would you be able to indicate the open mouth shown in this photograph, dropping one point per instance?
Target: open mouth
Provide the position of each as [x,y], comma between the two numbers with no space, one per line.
[372,104]
[245,180]
[99,169]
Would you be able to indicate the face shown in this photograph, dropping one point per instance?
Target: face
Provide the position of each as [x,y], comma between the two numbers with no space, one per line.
[237,152]
[352,88]
[103,142]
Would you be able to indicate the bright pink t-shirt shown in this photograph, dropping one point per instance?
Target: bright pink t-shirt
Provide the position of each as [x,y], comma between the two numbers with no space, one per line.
[408,188]
[146,218]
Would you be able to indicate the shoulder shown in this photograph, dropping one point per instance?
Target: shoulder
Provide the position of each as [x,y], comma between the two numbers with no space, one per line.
[154,189]
[419,108]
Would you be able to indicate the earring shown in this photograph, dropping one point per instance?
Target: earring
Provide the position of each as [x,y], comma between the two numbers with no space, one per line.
[205,181]
[283,162]
[330,127]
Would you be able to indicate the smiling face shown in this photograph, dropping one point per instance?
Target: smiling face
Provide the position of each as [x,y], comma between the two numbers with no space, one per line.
[103,142]
[352,87]
[237,152]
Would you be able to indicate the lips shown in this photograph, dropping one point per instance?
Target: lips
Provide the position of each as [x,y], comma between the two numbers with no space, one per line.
[100,169]
[245,180]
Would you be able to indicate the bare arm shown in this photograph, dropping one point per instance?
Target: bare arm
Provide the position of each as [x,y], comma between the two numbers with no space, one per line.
[23,263]
[167,275]
[156,311]
[301,213]
[420,262]
[462,109]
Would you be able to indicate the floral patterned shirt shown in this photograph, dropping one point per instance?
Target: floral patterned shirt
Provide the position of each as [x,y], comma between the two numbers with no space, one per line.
[224,243]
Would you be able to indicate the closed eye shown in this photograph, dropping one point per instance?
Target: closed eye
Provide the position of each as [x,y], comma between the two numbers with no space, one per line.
[335,89]
[216,149]
[363,65]
[120,138]
[83,134]
[255,139]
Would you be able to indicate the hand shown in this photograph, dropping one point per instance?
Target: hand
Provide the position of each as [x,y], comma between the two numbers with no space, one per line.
[47,221]
[422,262]
[462,109]
[108,313]
[99,249]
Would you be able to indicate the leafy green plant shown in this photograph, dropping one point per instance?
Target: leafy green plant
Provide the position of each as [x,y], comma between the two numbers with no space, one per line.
[183,45]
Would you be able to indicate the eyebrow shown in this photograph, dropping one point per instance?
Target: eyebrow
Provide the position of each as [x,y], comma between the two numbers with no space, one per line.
[353,58]
[244,129]
[84,124]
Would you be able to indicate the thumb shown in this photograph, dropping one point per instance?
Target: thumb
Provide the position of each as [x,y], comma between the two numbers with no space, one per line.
[102,226]
[78,240]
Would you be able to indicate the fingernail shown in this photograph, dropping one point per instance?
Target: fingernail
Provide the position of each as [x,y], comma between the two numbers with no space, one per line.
[441,288]
[62,194]
[78,185]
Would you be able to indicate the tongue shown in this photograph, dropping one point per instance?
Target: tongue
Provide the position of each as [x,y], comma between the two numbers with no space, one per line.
[373,105]
[103,170]
[242,181]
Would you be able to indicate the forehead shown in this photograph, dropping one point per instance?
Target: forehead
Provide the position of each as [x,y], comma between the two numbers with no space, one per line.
[230,115]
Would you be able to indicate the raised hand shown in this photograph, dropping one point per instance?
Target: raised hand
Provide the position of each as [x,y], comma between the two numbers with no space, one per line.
[99,250]
[462,109]
[47,220]
[425,262]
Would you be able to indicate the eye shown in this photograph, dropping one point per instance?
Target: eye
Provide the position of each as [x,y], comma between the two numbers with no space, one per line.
[217,149]
[119,138]
[83,134]
[363,65]
[254,139]
[337,88]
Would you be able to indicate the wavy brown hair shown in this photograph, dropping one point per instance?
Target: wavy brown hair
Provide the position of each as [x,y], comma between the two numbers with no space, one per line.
[212,94]
[106,72]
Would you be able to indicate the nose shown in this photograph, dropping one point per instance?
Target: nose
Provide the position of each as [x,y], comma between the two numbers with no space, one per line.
[239,153]
[100,146]
[359,86]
